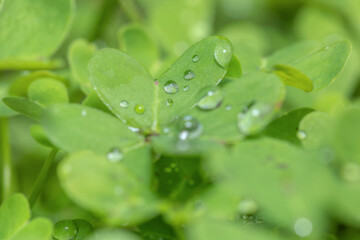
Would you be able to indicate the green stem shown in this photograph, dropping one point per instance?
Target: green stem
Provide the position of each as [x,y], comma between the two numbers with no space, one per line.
[6,165]
[35,192]
[30,65]
[131,10]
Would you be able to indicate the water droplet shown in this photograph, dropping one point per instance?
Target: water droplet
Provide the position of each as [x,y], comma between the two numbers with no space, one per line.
[223,52]
[139,108]
[195,58]
[255,117]
[186,88]
[83,113]
[134,129]
[169,102]
[228,108]
[189,128]
[211,100]
[247,207]
[115,155]
[170,87]
[301,135]
[327,48]
[188,75]
[303,227]
[124,104]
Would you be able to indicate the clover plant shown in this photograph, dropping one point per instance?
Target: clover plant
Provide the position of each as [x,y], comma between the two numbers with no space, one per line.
[174,120]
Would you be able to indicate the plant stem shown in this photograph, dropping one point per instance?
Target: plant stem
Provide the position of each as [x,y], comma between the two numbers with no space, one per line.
[6,165]
[35,192]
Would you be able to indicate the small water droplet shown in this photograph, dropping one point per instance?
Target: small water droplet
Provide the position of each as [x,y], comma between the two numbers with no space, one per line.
[228,108]
[303,227]
[115,155]
[195,58]
[140,109]
[254,117]
[170,87]
[223,52]
[169,102]
[134,129]
[83,113]
[188,75]
[301,135]
[124,104]
[211,100]
[189,128]
[186,88]
[327,48]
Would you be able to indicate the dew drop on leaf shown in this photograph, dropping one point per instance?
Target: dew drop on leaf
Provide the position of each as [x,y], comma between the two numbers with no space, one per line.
[124,104]
[170,87]
[65,229]
[188,75]
[223,53]
[189,128]
[211,100]
[139,108]
[169,102]
[303,227]
[186,88]
[228,108]
[195,58]
[115,155]
[301,135]
[83,113]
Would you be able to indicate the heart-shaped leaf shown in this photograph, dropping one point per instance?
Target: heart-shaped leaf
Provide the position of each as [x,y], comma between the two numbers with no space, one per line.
[106,188]
[25,107]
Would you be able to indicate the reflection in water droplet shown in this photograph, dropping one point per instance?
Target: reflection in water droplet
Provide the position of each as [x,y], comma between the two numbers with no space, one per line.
[124,104]
[223,52]
[301,135]
[195,58]
[211,100]
[228,108]
[170,87]
[140,109]
[189,128]
[115,155]
[303,227]
[188,75]
[83,113]
[254,117]
[186,88]
[169,102]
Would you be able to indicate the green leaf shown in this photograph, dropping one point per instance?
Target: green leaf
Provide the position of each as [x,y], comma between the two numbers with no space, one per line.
[21,19]
[136,41]
[37,133]
[111,234]
[106,188]
[234,70]
[234,118]
[119,78]
[295,64]
[24,106]
[21,85]
[202,65]
[46,92]
[213,230]
[286,127]
[75,127]
[14,217]
[79,54]
[347,134]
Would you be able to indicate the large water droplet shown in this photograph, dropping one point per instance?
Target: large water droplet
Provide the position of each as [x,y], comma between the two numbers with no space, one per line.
[170,87]
[124,104]
[303,227]
[169,102]
[301,135]
[115,155]
[223,52]
[140,109]
[188,75]
[254,117]
[195,58]
[211,100]
[189,128]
